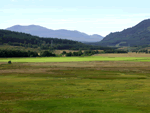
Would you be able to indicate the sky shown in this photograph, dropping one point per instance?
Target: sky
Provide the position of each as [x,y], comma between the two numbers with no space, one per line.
[89,16]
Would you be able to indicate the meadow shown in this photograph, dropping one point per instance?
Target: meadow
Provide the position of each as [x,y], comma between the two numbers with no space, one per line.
[65,85]
[75,59]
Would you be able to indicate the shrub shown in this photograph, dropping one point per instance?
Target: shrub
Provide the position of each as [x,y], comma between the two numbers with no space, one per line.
[64,52]
[69,54]
[9,62]
[47,54]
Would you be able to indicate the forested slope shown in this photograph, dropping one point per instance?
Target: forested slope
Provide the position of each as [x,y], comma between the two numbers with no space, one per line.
[135,36]
[27,40]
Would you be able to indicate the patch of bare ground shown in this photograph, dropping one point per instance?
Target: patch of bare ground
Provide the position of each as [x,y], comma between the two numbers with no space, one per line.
[124,55]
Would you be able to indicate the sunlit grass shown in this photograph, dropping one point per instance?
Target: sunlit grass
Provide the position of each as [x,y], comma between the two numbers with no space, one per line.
[73,90]
[75,59]
[27,94]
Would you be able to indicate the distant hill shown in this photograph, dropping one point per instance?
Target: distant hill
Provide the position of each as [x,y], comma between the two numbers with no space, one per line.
[134,36]
[26,40]
[62,33]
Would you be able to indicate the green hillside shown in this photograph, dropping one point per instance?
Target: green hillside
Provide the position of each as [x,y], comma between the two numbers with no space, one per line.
[28,41]
[136,36]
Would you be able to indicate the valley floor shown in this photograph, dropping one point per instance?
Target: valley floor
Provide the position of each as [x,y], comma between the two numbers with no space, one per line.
[75,87]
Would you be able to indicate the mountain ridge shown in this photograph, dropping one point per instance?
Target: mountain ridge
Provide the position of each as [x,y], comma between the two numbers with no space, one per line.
[40,31]
[134,36]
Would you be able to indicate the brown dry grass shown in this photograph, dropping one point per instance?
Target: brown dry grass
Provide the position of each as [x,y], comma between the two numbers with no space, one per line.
[48,68]
[3,63]
[124,55]
[39,70]
[92,64]
[99,65]
[60,51]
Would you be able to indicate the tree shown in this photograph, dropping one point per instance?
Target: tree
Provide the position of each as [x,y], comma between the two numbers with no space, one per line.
[69,54]
[47,53]
[80,52]
[9,43]
[64,52]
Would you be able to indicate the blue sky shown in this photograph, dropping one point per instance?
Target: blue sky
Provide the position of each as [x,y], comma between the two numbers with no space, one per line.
[88,16]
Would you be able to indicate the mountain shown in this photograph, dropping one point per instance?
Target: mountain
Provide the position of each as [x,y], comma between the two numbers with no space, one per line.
[134,36]
[62,33]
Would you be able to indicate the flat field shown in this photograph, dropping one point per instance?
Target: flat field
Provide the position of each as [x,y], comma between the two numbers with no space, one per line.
[74,87]
[130,54]
[103,57]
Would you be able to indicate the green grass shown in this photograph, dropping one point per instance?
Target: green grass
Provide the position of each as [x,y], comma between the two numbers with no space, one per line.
[66,95]
[75,59]
[73,90]
[55,95]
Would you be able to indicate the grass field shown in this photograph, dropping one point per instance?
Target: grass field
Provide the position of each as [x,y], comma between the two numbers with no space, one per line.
[74,87]
[75,59]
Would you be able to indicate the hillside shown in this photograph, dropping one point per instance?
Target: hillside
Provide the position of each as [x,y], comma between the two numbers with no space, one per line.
[62,33]
[136,36]
[27,40]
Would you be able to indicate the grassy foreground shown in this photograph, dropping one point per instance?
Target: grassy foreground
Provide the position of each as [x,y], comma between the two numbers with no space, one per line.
[74,59]
[75,87]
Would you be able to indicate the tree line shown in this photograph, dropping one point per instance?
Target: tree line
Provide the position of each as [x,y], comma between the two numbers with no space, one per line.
[92,52]
[141,51]
[19,53]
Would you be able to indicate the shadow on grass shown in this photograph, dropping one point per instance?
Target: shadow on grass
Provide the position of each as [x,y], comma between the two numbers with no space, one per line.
[13,95]
[77,105]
